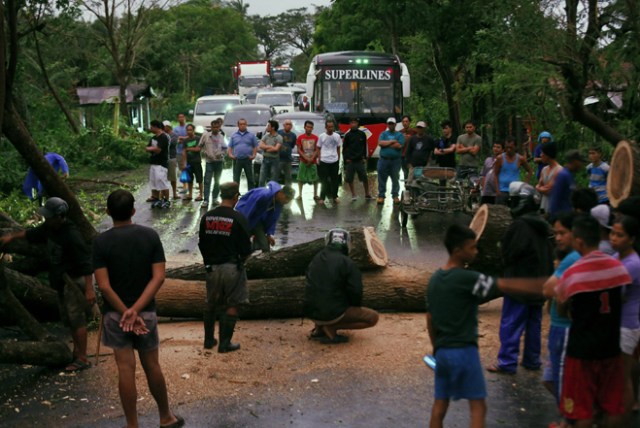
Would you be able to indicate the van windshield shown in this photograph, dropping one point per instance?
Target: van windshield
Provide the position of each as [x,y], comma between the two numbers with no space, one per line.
[253,117]
[283,99]
[214,107]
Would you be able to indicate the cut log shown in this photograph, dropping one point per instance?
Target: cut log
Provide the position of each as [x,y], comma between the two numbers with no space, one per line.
[367,251]
[490,224]
[22,246]
[394,289]
[39,299]
[624,173]
[35,353]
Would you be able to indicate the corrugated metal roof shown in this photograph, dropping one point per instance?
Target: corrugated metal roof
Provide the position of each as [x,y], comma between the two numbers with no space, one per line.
[108,94]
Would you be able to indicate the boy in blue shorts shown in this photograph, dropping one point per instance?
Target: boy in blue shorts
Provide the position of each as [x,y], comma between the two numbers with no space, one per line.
[452,300]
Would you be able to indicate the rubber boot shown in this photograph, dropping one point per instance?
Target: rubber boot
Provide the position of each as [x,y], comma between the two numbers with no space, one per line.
[209,328]
[227,325]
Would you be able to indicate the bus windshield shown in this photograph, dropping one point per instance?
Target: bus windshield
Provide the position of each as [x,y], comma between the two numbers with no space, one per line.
[358,98]
[248,81]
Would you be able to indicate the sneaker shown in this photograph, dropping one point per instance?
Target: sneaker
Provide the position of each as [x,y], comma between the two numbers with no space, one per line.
[355,198]
[380,201]
[165,204]
[157,204]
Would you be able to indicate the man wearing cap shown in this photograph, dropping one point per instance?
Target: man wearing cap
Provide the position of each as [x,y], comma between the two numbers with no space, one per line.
[158,149]
[560,197]
[225,244]
[468,147]
[354,153]
[172,165]
[262,207]
[544,137]
[419,150]
[70,272]
[333,297]
[604,215]
[213,147]
[391,143]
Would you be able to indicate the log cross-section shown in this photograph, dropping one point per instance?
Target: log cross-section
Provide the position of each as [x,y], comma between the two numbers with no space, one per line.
[624,173]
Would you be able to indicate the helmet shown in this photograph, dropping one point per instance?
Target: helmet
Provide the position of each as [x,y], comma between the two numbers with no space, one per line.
[523,198]
[545,134]
[338,238]
[54,207]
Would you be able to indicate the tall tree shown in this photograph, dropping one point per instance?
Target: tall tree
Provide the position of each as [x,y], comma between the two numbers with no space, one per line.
[122,27]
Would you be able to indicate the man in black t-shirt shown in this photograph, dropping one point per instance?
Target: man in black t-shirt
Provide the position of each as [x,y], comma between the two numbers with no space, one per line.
[224,243]
[354,151]
[445,151]
[419,150]
[129,267]
[158,148]
[70,272]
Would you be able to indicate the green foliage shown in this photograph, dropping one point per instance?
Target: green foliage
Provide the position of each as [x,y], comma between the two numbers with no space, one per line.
[12,168]
[19,207]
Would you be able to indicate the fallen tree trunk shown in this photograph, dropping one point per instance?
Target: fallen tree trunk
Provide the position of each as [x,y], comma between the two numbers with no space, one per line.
[22,246]
[367,251]
[490,224]
[35,353]
[394,289]
[31,266]
[39,299]
[624,174]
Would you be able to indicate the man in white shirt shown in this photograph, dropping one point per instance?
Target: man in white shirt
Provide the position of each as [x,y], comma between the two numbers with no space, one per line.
[329,143]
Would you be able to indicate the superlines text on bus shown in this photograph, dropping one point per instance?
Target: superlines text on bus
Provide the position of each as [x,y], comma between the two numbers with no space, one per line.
[357,74]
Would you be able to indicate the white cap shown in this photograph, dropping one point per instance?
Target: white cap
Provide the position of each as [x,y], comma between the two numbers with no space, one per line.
[391,120]
[166,123]
[421,124]
[602,213]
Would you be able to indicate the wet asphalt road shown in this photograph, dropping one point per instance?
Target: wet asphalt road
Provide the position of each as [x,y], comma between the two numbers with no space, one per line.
[353,399]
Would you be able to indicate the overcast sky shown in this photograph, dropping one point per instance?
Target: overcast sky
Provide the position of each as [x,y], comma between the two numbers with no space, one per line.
[270,7]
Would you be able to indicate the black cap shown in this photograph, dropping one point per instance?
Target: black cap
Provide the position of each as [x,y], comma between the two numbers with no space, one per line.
[54,207]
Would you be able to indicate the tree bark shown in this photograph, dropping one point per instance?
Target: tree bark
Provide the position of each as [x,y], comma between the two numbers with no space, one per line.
[35,353]
[367,251]
[38,298]
[14,129]
[12,308]
[448,80]
[395,288]
[490,224]
[22,246]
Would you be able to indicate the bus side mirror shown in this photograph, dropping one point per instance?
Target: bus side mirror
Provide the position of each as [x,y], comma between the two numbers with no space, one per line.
[406,81]
[311,80]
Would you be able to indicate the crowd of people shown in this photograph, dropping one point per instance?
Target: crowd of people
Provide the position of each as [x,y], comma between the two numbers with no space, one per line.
[589,280]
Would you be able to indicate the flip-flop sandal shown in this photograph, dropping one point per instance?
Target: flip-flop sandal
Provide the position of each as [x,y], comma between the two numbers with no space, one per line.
[317,334]
[337,339]
[198,199]
[176,424]
[495,369]
[186,198]
[77,365]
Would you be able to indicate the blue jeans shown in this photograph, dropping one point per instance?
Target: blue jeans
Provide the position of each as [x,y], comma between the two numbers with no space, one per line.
[519,318]
[269,170]
[212,169]
[389,168]
[244,164]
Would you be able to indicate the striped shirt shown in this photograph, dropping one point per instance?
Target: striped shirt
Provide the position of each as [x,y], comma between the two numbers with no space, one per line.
[598,180]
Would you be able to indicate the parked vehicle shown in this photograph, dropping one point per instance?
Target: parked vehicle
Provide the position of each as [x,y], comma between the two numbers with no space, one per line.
[436,189]
[211,107]
[282,101]
[252,74]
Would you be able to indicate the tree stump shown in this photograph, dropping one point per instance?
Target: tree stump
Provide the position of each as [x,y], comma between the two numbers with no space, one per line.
[367,252]
[624,175]
[490,224]
[395,289]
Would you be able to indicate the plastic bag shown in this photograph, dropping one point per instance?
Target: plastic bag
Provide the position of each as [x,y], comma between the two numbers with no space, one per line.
[185,175]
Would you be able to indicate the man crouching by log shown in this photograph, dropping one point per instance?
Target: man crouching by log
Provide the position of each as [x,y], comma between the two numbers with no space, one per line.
[333,294]
[129,267]
[452,300]
[225,244]
[70,273]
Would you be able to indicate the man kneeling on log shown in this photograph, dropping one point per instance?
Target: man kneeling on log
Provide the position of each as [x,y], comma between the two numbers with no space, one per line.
[225,244]
[333,297]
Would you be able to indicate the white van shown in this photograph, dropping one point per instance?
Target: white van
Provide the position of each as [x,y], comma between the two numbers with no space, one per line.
[282,101]
[210,108]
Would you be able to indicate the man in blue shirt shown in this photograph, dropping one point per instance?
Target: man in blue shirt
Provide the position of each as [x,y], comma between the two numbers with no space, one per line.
[181,132]
[565,183]
[391,143]
[32,182]
[242,149]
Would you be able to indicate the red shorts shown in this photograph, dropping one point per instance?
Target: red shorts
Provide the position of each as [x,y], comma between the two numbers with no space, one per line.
[586,383]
